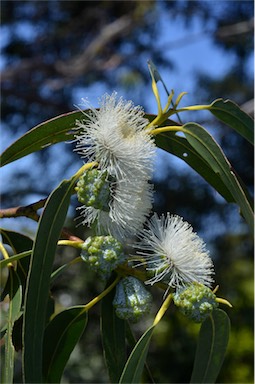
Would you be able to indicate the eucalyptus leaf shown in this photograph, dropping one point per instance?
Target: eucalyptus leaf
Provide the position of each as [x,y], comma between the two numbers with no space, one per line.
[211,348]
[232,115]
[61,335]
[15,300]
[37,293]
[180,147]
[113,338]
[134,367]
[55,130]
[211,152]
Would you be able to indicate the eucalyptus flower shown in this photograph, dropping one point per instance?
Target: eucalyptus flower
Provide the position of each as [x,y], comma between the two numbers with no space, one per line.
[173,253]
[116,137]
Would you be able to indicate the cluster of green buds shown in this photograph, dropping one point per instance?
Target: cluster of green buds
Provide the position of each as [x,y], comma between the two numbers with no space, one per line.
[93,189]
[103,254]
[196,301]
[131,299]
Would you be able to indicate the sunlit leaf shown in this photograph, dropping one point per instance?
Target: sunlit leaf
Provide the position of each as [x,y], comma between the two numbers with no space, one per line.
[36,301]
[211,348]
[61,335]
[232,115]
[113,338]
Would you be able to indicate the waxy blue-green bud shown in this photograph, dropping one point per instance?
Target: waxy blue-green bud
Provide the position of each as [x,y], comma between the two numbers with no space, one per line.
[131,299]
[103,254]
[93,189]
[196,301]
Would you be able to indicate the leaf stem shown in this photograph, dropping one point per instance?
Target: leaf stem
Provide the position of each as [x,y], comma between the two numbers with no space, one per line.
[163,309]
[170,128]
[74,244]
[99,297]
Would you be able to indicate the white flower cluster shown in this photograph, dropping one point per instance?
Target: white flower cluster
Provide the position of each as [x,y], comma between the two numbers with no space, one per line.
[117,138]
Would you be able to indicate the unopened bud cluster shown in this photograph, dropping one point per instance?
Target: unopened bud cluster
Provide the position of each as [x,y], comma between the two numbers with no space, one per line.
[196,301]
[93,189]
[103,254]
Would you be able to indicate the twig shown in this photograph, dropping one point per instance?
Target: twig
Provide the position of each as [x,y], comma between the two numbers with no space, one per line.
[30,211]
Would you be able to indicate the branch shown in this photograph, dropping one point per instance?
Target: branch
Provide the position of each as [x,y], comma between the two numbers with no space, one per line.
[30,211]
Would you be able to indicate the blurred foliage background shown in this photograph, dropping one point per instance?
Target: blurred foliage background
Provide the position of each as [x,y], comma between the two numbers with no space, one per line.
[54,53]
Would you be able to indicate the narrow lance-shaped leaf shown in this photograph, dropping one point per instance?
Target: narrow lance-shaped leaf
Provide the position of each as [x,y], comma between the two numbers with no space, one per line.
[232,115]
[49,132]
[36,300]
[61,335]
[180,147]
[134,367]
[211,152]
[211,348]
[113,338]
[15,299]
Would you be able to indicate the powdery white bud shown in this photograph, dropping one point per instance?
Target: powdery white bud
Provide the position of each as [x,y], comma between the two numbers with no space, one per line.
[172,253]
[131,299]
[103,254]
[196,301]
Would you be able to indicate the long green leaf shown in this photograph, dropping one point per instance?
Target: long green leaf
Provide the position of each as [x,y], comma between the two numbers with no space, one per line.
[231,114]
[49,132]
[211,348]
[61,335]
[134,367]
[211,152]
[13,258]
[36,299]
[180,147]
[15,299]
[113,338]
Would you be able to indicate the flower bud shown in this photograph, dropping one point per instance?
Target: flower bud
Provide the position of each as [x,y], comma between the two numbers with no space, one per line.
[131,299]
[196,301]
[103,254]
[93,190]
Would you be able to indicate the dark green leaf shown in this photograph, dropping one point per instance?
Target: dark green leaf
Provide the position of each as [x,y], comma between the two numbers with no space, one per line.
[113,338]
[36,300]
[211,348]
[61,335]
[19,243]
[15,299]
[231,114]
[180,147]
[211,152]
[47,133]
[134,367]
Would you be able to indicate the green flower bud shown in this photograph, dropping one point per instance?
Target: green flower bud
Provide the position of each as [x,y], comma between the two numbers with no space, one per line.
[93,190]
[196,301]
[103,254]
[131,300]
